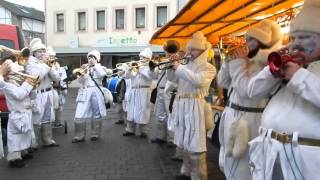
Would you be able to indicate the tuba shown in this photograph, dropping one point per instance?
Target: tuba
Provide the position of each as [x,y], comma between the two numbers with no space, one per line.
[278,60]
[18,78]
[20,56]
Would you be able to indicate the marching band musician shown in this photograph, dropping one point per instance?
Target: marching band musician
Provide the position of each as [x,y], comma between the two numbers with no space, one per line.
[43,112]
[289,143]
[19,129]
[90,99]
[241,118]
[139,104]
[193,81]
[123,110]
[60,87]
[163,135]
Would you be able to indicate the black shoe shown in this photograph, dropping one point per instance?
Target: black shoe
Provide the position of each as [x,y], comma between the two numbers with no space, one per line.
[143,136]
[177,159]
[128,134]
[51,145]
[158,141]
[94,138]
[182,177]
[32,150]
[27,156]
[171,145]
[78,140]
[17,163]
[120,122]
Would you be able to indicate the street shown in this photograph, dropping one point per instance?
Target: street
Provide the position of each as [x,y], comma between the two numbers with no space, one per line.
[113,157]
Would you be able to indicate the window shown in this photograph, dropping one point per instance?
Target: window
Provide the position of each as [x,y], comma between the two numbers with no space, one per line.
[162,15]
[82,21]
[119,18]
[60,22]
[140,17]
[101,20]
[5,16]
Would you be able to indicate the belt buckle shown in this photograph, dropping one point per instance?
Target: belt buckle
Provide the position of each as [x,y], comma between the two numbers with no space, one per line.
[283,137]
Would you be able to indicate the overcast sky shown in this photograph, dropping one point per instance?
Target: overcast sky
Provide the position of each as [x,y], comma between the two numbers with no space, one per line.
[38,4]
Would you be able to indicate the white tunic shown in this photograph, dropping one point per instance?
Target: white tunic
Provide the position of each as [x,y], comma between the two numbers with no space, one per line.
[139,104]
[125,102]
[44,111]
[90,101]
[19,127]
[236,75]
[193,78]
[294,109]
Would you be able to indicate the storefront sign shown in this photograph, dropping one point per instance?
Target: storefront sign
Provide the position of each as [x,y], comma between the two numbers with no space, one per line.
[117,41]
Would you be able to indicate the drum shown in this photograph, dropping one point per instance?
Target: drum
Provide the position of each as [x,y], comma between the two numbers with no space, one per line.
[117,86]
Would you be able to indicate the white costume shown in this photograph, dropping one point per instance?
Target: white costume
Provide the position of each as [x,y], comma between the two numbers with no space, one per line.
[289,143]
[243,114]
[60,87]
[193,85]
[43,112]
[139,101]
[90,102]
[19,129]
[162,106]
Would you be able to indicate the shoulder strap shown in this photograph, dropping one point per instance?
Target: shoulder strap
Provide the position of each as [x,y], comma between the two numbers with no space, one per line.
[161,78]
[95,82]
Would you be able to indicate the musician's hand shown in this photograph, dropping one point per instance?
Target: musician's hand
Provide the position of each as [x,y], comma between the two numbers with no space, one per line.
[175,65]
[4,69]
[290,69]
[241,53]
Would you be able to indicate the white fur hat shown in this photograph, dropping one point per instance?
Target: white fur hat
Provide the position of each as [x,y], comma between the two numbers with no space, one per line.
[36,44]
[267,32]
[96,54]
[199,41]
[50,51]
[146,53]
[308,19]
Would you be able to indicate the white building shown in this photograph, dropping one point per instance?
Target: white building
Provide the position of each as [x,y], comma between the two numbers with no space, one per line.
[119,29]
[30,20]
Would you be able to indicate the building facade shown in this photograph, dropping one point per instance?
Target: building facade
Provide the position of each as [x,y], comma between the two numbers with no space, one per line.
[119,29]
[31,21]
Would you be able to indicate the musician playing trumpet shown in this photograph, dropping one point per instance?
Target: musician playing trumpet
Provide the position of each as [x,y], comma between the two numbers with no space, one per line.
[19,129]
[90,100]
[43,111]
[139,105]
[241,117]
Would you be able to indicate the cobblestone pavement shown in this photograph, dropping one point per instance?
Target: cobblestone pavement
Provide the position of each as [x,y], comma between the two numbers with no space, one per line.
[114,157]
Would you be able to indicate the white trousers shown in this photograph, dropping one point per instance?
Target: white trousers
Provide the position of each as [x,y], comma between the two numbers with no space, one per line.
[194,165]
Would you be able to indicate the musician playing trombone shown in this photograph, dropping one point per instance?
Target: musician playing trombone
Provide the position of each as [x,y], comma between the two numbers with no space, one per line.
[43,112]
[163,135]
[19,129]
[139,105]
[241,117]
[193,81]
[90,100]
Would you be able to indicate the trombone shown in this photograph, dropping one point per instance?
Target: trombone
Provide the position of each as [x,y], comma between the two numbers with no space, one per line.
[168,63]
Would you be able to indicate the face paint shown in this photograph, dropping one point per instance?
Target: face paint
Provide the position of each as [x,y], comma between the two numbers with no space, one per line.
[307,43]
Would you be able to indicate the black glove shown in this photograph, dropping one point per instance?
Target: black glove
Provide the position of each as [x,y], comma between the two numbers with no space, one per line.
[152,65]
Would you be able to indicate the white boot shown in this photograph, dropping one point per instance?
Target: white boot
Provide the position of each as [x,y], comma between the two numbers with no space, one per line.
[96,128]
[46,135]
[79,131]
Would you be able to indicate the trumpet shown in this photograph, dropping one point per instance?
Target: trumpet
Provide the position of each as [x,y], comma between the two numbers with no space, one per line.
[18,77]
[168,64]
[229,51]
[278,60]
[21,56]
[84,69]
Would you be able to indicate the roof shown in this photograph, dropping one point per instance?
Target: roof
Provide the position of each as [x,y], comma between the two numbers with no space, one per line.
[221,18]
[128,50]
[23,11]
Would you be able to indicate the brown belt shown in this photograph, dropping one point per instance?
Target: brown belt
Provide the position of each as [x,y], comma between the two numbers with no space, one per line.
[287,139]
[190,96]
[140,87]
